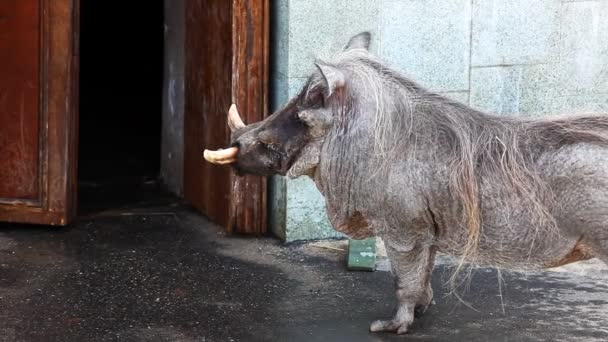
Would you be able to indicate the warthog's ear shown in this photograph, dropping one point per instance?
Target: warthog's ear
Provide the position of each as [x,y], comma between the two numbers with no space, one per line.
[334,78]
[359,41]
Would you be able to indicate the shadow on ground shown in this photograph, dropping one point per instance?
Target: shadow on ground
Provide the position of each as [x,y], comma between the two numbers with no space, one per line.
[163,273]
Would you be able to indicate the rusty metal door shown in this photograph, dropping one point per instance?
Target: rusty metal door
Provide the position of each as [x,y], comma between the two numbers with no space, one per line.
[38,105]
[226,62]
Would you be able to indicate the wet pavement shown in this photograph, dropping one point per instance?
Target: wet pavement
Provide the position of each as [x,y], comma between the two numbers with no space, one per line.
[162,272]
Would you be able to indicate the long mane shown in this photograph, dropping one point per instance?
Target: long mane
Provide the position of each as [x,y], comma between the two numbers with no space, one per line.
[481,145]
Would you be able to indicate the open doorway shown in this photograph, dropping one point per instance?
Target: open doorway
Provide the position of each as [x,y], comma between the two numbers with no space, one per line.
[121,82]
[102,64]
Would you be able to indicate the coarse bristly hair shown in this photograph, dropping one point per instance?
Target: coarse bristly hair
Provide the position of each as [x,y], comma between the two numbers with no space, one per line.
[481,146]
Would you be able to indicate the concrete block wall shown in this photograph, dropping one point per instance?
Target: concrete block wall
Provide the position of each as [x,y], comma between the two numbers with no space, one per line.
[511,57]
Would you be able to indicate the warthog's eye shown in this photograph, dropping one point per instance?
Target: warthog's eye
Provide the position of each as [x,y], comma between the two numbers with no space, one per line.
[273,149]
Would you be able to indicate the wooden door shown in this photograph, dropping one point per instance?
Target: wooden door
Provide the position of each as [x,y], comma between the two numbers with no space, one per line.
[38,122]
[226,62]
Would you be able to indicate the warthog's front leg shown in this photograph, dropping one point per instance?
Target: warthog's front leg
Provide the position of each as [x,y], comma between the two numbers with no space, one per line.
[412,271]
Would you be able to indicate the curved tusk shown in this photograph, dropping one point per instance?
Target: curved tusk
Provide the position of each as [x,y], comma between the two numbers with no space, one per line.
[222,156]
[234,119]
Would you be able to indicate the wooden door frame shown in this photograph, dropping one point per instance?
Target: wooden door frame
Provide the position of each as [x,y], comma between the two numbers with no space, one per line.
[250,64]
[58,113]
[227,56]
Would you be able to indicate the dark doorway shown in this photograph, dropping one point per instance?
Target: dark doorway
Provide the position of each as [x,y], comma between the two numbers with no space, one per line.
[121,81]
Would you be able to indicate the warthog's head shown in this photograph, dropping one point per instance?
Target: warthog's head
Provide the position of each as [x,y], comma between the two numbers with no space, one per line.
[288,142]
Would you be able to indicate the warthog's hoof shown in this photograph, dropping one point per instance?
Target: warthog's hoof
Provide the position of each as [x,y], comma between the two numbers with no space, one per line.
[399,327]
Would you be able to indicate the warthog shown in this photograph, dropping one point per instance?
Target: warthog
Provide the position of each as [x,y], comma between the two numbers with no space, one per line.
[429,174]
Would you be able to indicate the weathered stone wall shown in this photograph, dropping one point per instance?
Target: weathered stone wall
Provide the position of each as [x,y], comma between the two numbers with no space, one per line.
[512,57]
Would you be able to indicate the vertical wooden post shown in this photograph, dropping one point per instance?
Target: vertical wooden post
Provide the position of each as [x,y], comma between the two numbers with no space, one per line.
[250,36]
